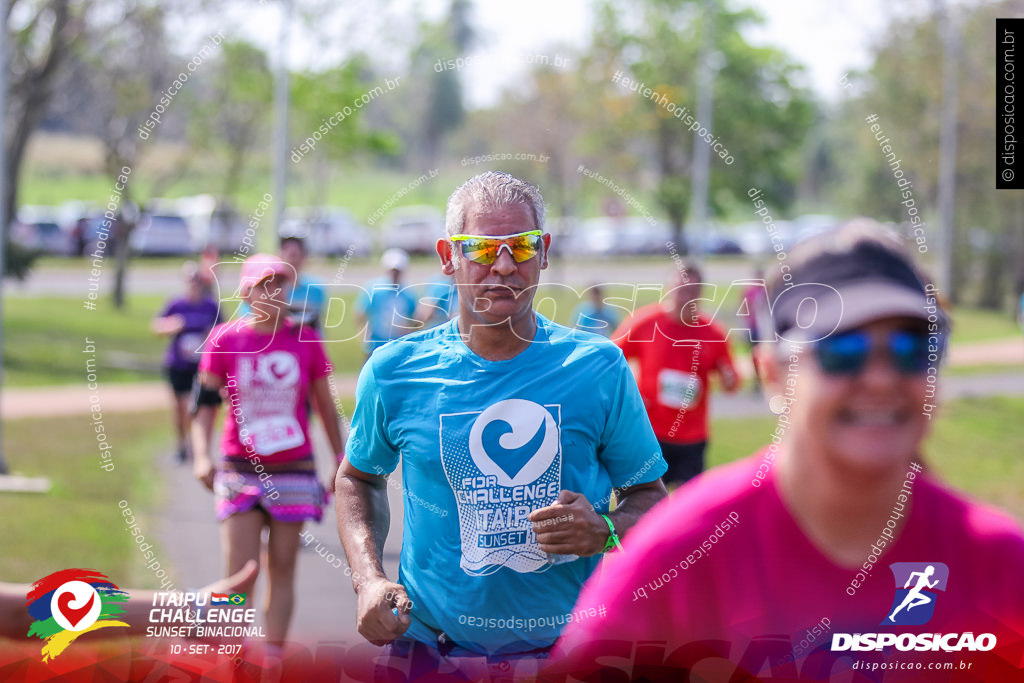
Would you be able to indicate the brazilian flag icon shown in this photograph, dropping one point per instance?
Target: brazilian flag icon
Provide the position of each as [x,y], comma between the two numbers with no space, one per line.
[237,598]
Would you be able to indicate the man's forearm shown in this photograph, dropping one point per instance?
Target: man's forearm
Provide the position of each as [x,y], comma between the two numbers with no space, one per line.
[633,504]
[364,518]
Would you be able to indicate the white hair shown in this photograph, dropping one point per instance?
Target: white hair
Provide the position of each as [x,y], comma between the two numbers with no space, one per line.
[491,190]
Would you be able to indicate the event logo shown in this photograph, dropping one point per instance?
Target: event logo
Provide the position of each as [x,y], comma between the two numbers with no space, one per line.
[514,440]
[278,368]
[68,603]
[915,605]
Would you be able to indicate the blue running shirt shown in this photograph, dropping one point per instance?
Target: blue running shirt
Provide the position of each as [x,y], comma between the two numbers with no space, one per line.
[483,444]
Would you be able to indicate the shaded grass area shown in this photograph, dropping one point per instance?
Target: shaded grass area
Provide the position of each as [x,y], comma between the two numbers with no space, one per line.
[78,523]
[975,446]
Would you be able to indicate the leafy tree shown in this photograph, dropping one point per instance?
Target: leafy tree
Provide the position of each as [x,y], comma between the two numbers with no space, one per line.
[236,111]
[316,97]
[903,87]
[760,114]
[443,112]
[40,37]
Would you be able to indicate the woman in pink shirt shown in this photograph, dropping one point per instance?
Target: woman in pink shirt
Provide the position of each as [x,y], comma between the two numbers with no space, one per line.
[266,369]
[797,563]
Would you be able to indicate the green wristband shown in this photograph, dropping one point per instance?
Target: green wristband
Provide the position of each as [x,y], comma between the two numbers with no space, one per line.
[613,538]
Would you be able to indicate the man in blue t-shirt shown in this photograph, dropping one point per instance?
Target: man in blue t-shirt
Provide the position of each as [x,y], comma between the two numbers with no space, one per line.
[594,315]
[513,432]
[385,305]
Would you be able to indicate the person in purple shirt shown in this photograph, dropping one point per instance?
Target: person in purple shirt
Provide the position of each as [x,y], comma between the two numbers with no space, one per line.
[186,321]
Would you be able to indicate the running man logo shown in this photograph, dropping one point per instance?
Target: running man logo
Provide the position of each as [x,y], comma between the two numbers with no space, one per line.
[68,603]
[914,604]
[917,584]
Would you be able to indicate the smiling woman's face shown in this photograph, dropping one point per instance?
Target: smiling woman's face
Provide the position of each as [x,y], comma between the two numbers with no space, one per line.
[503,290]
[868,421]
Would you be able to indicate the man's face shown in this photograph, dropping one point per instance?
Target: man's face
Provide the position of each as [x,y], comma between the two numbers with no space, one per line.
[293,254]
[868,420]
[687,289]
[503,290]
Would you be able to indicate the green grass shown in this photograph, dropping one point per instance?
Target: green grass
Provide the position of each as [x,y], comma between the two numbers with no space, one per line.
[976,325]
[78,523]
[44,340]
[44,337]
[975,446]
[994,369]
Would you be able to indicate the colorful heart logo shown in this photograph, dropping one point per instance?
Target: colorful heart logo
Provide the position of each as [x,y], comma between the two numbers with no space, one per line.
[75,605]
[514,440]
[74,615]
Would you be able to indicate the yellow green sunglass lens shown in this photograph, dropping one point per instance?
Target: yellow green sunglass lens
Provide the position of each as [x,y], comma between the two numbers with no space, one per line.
[485,250]
[481,251]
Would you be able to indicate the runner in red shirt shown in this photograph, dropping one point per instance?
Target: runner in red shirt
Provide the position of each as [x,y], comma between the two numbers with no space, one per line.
[678,348]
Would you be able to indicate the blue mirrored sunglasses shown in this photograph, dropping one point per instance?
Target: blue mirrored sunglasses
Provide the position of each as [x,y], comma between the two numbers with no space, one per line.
[847,353]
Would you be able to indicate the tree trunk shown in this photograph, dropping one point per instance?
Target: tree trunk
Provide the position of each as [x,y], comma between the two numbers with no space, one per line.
[35,89]
[121,249]
[990,295]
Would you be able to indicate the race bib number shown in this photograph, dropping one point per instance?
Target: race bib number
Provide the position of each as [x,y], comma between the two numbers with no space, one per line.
[677,389]
[189,344]
[275,434]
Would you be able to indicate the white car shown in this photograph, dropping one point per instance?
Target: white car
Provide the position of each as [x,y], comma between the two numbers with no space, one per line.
[328,231]
[625,235]
[161,235]
[415,229]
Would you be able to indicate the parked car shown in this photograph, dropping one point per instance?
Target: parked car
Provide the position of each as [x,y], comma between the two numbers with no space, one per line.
[161,235]
[86,232]
[813,224]
[757,239]
[604,236]
[38,228]
[718,243]
[328,231]
[415,229]
[44,236]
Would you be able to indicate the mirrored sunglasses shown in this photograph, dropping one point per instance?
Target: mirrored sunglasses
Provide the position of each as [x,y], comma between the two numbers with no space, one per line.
[522,246]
